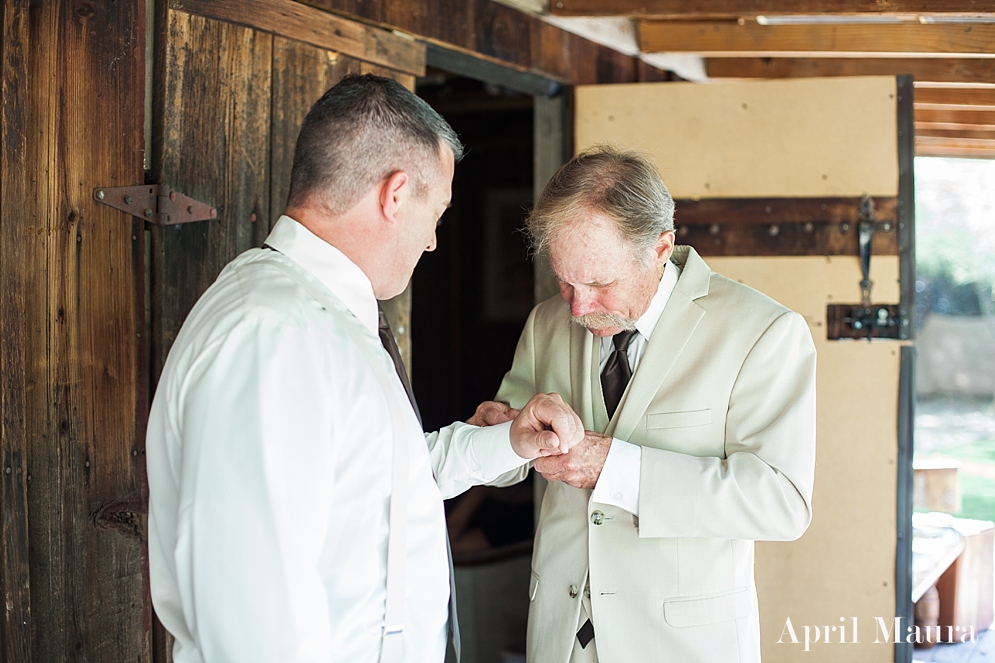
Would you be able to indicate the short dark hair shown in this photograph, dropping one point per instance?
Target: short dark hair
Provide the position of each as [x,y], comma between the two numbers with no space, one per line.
[360,131]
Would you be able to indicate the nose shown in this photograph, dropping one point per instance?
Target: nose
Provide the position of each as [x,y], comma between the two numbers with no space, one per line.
[581,300]
[433,244]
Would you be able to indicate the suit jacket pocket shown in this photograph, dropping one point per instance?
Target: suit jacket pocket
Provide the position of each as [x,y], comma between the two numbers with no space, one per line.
[707,609]
[533,586]
[679,419]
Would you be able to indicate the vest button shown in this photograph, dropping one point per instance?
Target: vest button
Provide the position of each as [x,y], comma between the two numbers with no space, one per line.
[597,517]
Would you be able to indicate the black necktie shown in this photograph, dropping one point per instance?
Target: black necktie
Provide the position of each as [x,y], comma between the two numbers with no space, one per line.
[616,375]
[614,379]
[387,339]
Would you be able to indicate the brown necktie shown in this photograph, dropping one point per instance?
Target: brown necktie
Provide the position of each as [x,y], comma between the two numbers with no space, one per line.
[387,338]
[616,375]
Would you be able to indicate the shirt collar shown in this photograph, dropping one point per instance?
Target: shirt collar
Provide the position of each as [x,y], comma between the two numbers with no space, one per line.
[647,321]
[333,268]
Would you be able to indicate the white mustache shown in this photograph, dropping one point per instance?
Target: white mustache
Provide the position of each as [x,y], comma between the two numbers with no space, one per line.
[604,320]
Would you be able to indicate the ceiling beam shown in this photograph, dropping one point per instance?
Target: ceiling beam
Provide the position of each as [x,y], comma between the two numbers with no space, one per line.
[954,131]
[955,98]
[958,117]
[751,8]
[751,39]
[923,69]
[929,146]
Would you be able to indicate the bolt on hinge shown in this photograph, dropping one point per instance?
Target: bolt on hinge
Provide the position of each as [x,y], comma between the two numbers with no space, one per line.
[156,203]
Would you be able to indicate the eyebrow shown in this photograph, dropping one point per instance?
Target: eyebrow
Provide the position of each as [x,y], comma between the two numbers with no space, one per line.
[590,284]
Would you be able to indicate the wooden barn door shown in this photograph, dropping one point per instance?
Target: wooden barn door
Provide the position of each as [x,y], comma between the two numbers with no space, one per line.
[234,81]
[770,178]
[72,377]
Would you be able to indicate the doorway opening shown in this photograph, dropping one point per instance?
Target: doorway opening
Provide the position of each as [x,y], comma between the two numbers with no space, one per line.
[954,462]
[470,301]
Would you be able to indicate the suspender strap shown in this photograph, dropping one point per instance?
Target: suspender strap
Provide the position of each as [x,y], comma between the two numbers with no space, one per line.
[393,637]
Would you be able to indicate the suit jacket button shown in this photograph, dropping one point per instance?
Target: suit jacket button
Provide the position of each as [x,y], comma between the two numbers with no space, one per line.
[597,517]
[573,591]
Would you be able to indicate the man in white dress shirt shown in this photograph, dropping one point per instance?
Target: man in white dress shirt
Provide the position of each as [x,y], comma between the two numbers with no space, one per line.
[699,393]
[271,436]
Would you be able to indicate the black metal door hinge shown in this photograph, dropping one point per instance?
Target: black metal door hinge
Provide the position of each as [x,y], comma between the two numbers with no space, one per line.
[156,203]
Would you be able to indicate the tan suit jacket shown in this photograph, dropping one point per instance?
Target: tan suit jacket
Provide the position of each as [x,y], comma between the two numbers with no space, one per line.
[723,404]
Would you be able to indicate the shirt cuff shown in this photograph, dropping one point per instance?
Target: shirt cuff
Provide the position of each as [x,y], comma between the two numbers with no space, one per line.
[492,449]
[618,484]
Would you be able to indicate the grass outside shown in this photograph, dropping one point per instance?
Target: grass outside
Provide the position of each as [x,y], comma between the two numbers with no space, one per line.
[977,477]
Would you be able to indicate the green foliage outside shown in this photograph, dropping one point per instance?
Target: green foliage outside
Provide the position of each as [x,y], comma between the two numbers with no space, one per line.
[955,221]
[955,267]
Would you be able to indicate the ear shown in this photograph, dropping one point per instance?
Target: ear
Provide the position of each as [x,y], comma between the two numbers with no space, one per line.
[393,190]
[665,245]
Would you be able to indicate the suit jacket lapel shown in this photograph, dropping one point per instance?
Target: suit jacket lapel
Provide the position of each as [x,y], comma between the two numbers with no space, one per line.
[677,323]
[585,394]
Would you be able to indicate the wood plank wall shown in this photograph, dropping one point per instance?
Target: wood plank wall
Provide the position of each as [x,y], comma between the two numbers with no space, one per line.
[211,128]
[73,361]
[496,31]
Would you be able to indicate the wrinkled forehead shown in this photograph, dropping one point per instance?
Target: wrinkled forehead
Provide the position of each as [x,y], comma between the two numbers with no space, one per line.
[590,249]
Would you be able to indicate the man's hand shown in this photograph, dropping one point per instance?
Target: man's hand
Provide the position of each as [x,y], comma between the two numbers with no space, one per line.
[491,413]
[582,466]
[546,426]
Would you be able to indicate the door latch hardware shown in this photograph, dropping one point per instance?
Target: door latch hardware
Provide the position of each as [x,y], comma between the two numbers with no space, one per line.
[864,320]
[856,321]
[865,235]
[156,203]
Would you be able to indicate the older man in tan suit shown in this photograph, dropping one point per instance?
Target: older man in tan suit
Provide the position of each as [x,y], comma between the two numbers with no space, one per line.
[702,395]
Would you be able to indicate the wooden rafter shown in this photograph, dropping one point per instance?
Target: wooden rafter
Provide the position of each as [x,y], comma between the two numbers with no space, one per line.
[751,39]
[313,26]
[923,69]
[943,130]
[954,98]
[938,115]
[750,8]
[930,146]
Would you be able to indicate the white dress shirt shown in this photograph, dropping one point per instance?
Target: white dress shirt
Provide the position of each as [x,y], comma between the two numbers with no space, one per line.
[618,484]
[269,464]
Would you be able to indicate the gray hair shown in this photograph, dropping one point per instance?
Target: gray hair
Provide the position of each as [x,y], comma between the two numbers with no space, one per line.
[360,131]
[621,184]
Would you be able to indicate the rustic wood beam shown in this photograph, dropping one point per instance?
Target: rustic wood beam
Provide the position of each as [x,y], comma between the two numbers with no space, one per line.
[293,20]
[931,146]
[944,130]
[938,114]
[955,98]
[783,226]
[923,69]
[750,8]
[752,39]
